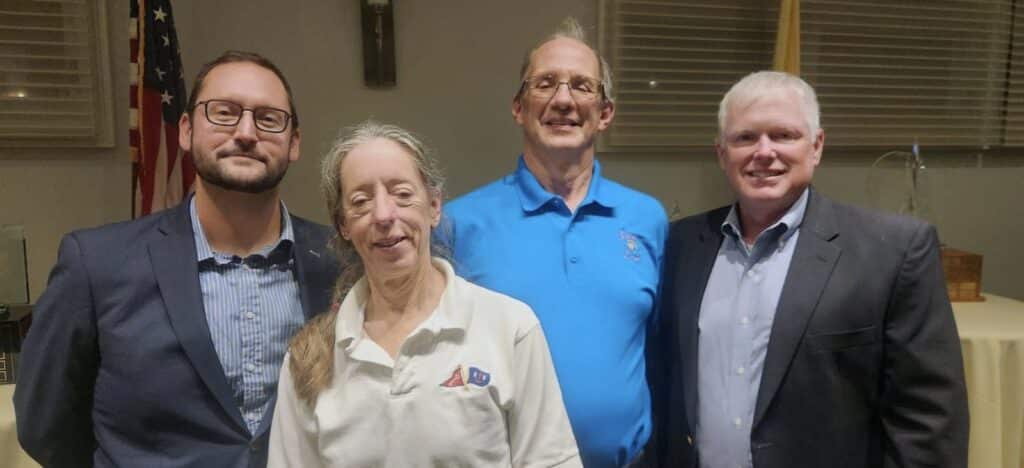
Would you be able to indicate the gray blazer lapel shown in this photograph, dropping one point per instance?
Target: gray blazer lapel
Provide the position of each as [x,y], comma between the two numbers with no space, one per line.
[691,293]
[177,274]
[813,261]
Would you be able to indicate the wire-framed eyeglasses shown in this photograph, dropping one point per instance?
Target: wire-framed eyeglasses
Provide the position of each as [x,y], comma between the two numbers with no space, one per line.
[581,88]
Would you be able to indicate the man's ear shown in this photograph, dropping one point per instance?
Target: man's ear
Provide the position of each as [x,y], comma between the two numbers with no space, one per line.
[293,148]
[818,145]
[607,114]
[185,132]
[517,109]
[720,152]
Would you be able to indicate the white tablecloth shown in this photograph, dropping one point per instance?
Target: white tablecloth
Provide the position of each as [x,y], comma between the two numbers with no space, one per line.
[992,337]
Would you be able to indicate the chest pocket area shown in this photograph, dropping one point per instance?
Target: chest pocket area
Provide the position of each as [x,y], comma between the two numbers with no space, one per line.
[838,341]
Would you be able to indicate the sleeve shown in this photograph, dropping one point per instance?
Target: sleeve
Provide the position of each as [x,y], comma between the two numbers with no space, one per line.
[923,398]
[293,435]
[658,357]
[58,367]
[539,430]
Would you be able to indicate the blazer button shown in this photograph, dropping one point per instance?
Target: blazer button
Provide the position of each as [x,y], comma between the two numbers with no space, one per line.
[689,439]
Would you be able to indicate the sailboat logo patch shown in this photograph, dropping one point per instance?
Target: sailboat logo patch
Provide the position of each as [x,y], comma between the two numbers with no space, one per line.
[632,245]
[455,380]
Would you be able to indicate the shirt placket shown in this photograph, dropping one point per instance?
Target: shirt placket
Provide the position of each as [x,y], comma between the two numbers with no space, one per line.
[252,345]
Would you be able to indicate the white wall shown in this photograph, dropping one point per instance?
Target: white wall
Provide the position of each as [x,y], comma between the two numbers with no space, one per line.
[457,66]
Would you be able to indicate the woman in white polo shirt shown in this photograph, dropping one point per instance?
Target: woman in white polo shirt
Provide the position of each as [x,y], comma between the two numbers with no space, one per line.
[415,366]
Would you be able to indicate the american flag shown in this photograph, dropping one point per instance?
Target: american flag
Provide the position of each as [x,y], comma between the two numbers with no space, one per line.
[163,174]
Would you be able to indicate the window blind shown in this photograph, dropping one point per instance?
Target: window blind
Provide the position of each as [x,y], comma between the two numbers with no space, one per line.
[889,73]
[54,75]
[673,60]
[944,73]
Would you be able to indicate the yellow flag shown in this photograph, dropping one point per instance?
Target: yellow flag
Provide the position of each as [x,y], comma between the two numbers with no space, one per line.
[787,39]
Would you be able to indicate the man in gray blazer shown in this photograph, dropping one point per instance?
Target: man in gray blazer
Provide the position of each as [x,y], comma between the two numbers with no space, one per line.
[797,331]
[158,341]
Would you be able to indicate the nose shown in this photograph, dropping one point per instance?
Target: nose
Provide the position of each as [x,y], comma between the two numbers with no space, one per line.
[764,147]
[562,98]
[384,210]
[245,131]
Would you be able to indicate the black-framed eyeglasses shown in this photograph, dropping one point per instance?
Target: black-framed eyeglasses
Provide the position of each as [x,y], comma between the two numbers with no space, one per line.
[228,114]
[581,88]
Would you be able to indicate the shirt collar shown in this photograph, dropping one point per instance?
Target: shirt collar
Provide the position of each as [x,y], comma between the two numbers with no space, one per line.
[789,222]
[276,253]
[452,312]
[534,196]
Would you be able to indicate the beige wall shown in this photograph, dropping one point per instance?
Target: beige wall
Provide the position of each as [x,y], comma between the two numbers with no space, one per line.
[457,65]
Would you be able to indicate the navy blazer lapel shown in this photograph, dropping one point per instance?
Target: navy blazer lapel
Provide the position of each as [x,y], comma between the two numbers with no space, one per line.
[814,259]
[177,273]
[311,273]
[690,291]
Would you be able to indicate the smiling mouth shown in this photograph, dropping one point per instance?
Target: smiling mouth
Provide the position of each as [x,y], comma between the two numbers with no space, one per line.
[249,156]
[561,123]
[764,174]
[388,243]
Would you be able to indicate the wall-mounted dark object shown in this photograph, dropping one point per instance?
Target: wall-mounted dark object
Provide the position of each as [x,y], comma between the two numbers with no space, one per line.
[378,43]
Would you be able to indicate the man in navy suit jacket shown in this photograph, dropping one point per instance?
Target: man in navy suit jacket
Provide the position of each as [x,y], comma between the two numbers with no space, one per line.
[158,341]
[797,331]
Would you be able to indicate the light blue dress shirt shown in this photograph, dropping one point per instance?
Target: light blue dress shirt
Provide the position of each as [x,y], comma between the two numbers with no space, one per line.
[253,309]
[735,323]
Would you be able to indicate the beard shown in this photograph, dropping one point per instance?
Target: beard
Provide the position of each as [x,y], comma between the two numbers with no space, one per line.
[213,173]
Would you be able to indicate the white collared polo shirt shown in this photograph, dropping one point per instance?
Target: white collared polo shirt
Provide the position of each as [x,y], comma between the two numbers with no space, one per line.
[472,386]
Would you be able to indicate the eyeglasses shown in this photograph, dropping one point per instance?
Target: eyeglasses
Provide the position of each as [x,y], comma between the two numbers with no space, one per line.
[228,114]
[581,88]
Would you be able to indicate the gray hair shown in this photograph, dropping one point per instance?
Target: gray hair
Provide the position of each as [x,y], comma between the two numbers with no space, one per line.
[569,29]
[331,188]
[763,82]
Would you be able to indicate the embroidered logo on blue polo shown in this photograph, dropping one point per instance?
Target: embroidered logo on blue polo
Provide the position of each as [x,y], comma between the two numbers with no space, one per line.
[476,376]
[632,246]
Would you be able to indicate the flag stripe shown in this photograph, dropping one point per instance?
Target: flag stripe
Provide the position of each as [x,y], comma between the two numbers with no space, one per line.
[163,173]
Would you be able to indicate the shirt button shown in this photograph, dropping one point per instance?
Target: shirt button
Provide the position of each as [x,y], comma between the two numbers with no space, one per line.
[250,367]
[744,320]
[740,370]
[250,315]
[574,260]
[737,422]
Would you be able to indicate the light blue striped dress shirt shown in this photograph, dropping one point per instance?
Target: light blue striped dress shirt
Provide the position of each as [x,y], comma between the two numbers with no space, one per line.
[253,308]
[735,323]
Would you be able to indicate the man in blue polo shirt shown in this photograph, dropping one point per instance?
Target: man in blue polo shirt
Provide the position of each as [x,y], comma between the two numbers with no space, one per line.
[581,250]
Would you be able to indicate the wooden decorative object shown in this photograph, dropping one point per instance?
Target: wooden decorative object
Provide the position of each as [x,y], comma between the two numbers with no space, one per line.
[378,19]
[963,275]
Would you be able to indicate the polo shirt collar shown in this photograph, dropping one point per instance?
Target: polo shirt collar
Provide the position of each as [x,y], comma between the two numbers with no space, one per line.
[534,196]
[277,253]
[451,313]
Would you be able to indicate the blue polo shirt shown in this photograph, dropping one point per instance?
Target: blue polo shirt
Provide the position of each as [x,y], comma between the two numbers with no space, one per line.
[591,277]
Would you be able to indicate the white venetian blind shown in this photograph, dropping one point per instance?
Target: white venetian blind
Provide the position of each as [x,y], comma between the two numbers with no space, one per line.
[54,84]
[672,61]
[888,73]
